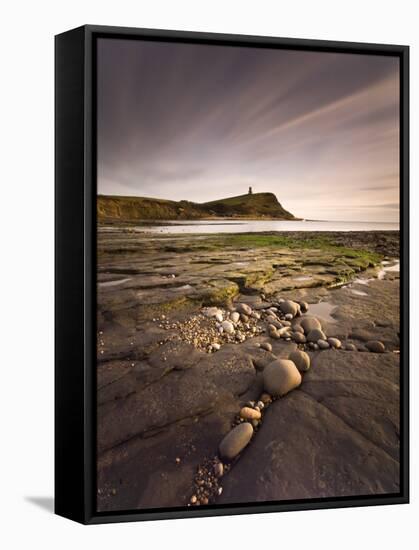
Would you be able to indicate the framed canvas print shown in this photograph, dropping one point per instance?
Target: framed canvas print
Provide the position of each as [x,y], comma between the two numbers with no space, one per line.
[231,274]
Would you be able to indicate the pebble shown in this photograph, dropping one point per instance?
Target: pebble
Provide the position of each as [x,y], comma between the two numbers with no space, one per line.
[266,346]
[218,469]
[310,323]
[193,499]
[244,308]
[266,398]
[316,334]
[375,346]
[303,306]
[280,377]
[323,344]
[244,318]
[271,319]
[219,317]
[211,312]
[298,328]
[335,343]
[227,327]
[298,337]
[289,317]
[235,317]
[350,347]
[255,315]
[273,333]
[288,306]
[301,359]
[215,346]
[250,414]
[235,441]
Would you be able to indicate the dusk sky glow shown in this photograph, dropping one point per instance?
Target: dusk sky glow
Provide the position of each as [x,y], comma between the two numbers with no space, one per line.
[198,122]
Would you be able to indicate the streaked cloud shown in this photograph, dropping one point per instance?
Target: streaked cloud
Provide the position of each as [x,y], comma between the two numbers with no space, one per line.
[196,122]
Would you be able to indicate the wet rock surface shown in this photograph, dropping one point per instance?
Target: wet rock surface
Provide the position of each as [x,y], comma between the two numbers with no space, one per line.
[171,384]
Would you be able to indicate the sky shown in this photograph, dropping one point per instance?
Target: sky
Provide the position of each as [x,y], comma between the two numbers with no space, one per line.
[198,122]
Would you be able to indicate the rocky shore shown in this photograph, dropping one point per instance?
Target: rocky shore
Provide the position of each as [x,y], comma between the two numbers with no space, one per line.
[244,368]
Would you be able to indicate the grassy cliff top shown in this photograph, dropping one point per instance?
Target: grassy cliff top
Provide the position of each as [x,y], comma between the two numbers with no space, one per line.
[112,208]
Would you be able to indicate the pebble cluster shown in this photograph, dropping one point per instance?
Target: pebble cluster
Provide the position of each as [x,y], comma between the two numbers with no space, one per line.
[283,320]
[207,482]
[246,423]
[214,326]
[195,330]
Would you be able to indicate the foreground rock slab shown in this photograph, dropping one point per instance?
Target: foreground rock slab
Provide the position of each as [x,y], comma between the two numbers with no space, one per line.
[337,435]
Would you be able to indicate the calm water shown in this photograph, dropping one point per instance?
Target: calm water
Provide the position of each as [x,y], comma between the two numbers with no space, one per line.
[255,226]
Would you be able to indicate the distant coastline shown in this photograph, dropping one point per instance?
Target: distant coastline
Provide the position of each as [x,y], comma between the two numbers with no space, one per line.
[252,206]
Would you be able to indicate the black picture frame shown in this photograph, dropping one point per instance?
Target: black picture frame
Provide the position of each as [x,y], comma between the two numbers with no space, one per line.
[75,272]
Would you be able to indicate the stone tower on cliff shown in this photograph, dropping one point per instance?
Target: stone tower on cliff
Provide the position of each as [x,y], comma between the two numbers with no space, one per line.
[250,191]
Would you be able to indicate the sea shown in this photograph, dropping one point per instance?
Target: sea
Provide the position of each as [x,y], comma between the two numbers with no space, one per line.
[250,226]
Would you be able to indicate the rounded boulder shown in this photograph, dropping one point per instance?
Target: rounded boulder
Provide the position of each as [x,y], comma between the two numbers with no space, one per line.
[350,347]
[334,343]
[228,327]
[323,344]
[315,335]
[310,323]
[280,377]
[298,328]
[234,317]
[235,441]
[298,338]
[244,308]
[301,359]
[250,414]
[266,346]
[375,346]
[289,307]
[303,306]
